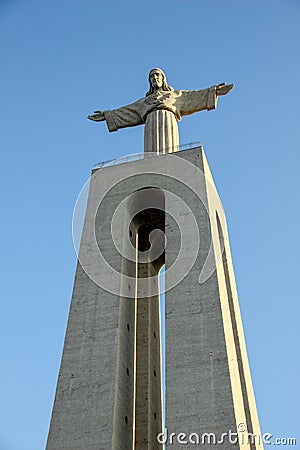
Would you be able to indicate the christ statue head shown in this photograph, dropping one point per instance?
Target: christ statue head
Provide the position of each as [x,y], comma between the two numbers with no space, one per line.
[158,81]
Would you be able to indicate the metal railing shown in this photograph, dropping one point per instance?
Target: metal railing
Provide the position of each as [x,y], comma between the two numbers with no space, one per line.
[139,156]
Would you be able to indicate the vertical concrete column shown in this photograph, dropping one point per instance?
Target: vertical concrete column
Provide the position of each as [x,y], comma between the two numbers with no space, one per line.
[83,411]
[148,401]
[208,382]
[155,362]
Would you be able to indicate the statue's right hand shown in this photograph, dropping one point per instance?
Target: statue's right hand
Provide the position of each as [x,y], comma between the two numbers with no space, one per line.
[97,117]
[223,88]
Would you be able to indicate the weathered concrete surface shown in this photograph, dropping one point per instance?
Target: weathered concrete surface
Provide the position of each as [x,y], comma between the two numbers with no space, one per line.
[103,358]
[101,400]
[208,384]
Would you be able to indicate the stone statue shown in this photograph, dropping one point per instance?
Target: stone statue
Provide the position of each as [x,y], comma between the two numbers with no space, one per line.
[160,110]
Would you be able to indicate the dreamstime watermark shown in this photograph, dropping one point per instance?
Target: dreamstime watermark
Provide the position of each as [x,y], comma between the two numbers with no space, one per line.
[114,204]
[229,437]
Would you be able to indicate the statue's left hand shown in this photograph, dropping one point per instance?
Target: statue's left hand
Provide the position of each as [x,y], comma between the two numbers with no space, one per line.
[223,88]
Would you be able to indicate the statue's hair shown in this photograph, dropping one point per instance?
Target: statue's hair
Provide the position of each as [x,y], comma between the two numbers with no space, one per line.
[165,86]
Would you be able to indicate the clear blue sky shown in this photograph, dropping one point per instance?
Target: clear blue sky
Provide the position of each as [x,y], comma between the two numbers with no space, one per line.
[61,60]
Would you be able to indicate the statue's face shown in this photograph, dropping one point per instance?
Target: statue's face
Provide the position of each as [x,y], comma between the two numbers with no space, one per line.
[156,79]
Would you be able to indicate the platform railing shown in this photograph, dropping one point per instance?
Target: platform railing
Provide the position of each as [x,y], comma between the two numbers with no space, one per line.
[143,155]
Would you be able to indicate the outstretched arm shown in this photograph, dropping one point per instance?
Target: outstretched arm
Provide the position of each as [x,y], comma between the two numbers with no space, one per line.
[190,102]
[127,116]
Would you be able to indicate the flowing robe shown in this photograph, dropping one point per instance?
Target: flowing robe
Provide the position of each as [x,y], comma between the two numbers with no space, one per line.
[160,113]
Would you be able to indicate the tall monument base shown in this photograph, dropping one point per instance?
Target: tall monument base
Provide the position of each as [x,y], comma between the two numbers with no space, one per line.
[109,391]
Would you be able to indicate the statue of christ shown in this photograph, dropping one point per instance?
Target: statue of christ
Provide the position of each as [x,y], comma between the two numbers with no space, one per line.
[160,110]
